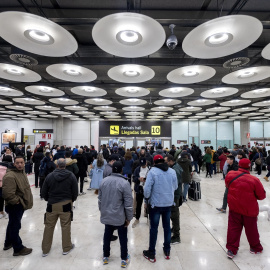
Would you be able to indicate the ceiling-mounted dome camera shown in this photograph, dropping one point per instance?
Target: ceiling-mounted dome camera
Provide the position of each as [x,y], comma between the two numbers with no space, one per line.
[172,40]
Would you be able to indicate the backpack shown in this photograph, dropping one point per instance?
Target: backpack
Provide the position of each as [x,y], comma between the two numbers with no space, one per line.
[215,157]
[42,168]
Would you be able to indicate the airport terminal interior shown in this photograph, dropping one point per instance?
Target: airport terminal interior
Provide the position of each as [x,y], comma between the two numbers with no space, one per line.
[137,74]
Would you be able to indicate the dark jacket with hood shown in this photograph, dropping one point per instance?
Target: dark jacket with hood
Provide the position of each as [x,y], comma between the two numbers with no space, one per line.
[179,171]
[37,157]
[60,185]
[82,164]
[71,165]
[185,163]
[49,165]
[59,154]
[136,179]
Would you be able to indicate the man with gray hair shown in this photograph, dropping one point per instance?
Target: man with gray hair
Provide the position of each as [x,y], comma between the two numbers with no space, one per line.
[60,189]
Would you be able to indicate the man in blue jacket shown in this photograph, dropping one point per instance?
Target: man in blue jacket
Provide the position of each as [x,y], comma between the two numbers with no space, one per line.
[161,182]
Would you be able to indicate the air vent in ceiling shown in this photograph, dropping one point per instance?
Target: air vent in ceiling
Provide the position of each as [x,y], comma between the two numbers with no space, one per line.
[236,62]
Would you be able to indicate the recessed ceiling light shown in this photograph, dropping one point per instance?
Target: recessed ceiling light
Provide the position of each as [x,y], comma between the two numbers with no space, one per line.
[190,73]
[39,37]
[72,72]
[175,90]
[98,99]
[64,99]
[47,106]
[218,39]
[259,91]
[46,90]
[132,90]
[246,74]
[29,99]
[131,73]
[234,101]
[133,100]
[167,100]
[5,89]
[201,100]
[218,91]
[14,71]
[90,89]
[129,37]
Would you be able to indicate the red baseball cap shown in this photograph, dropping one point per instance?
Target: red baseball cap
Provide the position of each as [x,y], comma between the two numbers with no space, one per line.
[158,157]
[244,163]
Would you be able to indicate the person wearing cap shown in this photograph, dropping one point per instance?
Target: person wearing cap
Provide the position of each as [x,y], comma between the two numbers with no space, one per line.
[161,182]
[139,178]
[115,206]
[185,164]
[244,190]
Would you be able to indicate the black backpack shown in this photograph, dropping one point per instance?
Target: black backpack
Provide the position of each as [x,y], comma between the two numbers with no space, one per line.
[215,157]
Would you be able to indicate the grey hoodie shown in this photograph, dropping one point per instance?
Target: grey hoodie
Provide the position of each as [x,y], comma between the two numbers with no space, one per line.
[60,185]
[115,200]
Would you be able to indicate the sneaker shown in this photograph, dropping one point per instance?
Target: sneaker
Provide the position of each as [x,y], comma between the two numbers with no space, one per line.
[45,254]
[252,251]
[266,179]
[124,263]
[65,253]
[7,247]
[221,210]
[3,215]
[150,257]
[135,223]
[83,193]
[105,260]
[23,252]
[167,255]
[89,188]
[175,240]
[230,254]
[114,238]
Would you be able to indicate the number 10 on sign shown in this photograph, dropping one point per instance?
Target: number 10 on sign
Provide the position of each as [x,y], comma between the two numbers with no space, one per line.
[155,130]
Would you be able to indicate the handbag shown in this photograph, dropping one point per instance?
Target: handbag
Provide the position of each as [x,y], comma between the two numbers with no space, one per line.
[258,161]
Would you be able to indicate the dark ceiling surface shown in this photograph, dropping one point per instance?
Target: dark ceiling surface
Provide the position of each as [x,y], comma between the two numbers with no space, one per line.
[79,17]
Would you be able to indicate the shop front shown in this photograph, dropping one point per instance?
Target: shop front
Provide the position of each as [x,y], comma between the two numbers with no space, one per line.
[128,134]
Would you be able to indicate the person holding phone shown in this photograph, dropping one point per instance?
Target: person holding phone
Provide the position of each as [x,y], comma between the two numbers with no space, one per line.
[115,205]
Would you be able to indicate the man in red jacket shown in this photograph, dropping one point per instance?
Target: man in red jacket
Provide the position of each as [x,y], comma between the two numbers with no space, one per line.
[244,191]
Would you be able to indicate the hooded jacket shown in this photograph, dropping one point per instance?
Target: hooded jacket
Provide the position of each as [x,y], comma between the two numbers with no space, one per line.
[50,165]
[59,186]
[82,164]
[71,165]
[16,188]
[185,163]
[37,157]
[115,200]
[244,192]
[161,182]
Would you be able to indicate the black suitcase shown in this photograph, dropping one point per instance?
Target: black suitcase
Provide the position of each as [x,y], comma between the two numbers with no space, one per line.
[194,192]
[28,167]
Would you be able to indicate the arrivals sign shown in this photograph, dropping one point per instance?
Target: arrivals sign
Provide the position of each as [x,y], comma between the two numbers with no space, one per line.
[42,130]
[134,129]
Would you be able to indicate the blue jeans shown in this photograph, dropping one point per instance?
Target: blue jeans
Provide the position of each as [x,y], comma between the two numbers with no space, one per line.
[195,163]
[122,233]
[186,187]
[154,215]
[213,167]
[15,213]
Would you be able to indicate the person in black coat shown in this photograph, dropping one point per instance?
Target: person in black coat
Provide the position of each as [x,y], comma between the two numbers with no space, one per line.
[82,165]
[37,157]
[60,153]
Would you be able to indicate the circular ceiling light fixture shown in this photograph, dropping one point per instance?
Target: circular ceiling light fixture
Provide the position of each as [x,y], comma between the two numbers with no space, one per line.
[19,108]
[131,73]
[191,74]
[29,101]
[258,93]
[104,108]
[18,74]
[132,91]
[44,91]
[162,109]
[47,108]
[222,36]
[88,91]
[39,36]
[66,101]
[190,109]
[261,103]
[71,73]
[98,101]
[176,92]
[171,102]
[133,101]
[201,102]
[133,108]
[36,34]
[218,109]
[247,75]
[6,91]
[219,92]
[128,34]
[235,102]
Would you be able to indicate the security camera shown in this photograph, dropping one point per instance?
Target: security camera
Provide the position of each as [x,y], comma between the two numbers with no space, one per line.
[172,40]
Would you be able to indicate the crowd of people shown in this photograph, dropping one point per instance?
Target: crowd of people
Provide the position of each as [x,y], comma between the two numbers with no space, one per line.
[127,181]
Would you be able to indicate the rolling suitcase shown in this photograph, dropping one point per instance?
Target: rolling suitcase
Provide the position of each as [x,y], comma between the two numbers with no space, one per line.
[28,167]
[194,192]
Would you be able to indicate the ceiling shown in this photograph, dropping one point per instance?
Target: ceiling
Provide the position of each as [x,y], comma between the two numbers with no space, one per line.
[79,17]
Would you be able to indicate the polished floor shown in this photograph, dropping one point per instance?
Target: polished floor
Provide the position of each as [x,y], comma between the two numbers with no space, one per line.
[203,236]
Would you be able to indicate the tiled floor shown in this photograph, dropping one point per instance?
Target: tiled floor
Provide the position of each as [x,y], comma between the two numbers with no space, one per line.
[203,235]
